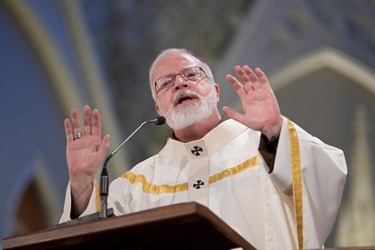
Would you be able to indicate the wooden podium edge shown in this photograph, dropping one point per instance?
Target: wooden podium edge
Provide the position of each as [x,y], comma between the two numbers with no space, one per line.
[164,213]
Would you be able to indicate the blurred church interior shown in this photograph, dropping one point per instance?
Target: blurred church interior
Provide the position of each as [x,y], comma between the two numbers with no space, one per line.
[56,55]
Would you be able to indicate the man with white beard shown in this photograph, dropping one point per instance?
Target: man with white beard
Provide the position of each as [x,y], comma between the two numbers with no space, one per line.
[275,184]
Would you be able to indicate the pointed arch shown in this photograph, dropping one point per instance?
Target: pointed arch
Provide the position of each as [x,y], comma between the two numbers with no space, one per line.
[325,57]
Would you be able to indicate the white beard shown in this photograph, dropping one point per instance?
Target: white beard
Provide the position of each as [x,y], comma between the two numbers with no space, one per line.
[181,117]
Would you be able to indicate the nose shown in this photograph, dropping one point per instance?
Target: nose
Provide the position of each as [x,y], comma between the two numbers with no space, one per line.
[180,82]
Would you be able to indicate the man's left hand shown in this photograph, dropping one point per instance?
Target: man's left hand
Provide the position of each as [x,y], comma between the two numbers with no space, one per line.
[261,111]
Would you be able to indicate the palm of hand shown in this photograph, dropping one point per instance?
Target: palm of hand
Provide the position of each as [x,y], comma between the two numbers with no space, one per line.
[260,108]
[84,155]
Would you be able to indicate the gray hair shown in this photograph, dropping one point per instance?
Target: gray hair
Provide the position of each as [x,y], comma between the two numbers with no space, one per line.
[207,69]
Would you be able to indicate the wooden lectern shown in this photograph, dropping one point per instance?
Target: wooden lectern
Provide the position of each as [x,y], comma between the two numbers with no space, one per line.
[181,226]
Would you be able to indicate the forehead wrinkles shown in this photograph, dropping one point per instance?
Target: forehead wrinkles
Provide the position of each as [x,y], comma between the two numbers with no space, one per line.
[173,64]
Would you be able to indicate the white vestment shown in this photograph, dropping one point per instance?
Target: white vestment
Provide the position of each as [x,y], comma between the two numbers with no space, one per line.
[294,206]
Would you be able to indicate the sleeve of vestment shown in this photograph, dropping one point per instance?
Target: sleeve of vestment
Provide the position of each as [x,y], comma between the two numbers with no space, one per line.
[267,148]
[305,166]
[91,208]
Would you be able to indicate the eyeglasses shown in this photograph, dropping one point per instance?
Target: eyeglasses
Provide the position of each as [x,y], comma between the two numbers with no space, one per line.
[193,74]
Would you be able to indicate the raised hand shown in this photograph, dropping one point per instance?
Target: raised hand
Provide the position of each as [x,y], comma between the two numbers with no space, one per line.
[261,111]
[85,151]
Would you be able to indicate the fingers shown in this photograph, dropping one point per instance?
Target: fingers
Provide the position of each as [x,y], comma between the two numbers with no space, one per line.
[104,146]
[248,80]
[68,130]
[87,120]
[75,121]
[91,123]
[97,127]
[263,79]
[236,84]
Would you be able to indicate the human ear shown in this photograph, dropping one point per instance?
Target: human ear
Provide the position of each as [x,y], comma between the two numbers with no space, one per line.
[217,89]
[157,108]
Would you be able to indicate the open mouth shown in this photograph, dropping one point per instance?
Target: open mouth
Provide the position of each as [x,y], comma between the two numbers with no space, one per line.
[184,97]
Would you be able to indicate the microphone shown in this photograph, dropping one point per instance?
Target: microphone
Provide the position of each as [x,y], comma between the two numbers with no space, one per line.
[104,179]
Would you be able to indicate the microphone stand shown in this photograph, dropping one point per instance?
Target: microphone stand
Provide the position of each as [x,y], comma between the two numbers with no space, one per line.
[104,179]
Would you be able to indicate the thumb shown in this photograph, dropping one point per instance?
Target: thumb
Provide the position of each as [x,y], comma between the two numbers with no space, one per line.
[104,147]
[232,113]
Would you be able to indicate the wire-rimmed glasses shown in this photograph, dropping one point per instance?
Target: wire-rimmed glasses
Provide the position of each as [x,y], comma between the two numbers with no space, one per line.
[192,74]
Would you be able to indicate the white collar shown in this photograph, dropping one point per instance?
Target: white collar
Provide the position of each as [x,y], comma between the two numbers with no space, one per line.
[209,144]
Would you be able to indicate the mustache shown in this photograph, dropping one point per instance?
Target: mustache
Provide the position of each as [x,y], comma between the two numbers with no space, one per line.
[183,93]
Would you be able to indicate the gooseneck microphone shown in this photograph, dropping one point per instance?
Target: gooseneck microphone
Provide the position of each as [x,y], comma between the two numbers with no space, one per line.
[104,179]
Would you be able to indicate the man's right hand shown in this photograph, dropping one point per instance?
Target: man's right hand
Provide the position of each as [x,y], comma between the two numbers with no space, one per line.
[84,155]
